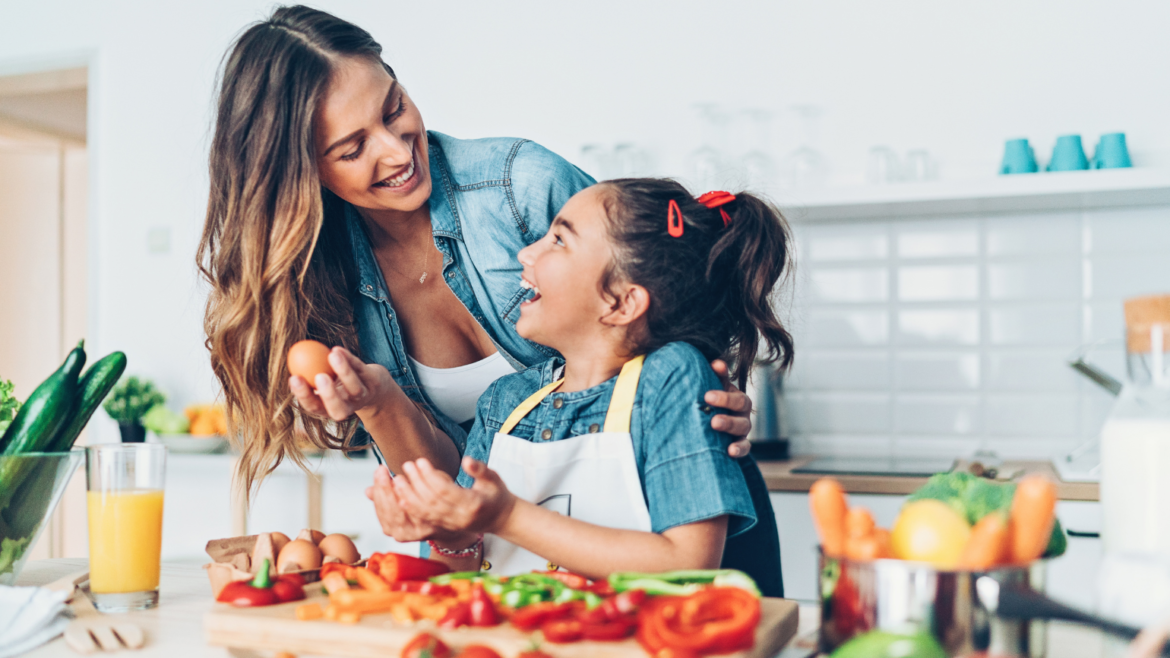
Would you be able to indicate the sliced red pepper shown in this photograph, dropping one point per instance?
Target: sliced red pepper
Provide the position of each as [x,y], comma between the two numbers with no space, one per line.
[718,619]
[609,631]
[530,617]
[422,587]
[242,595]
[561,631]
[572,580]
[457,615]
[483,610]
[396,566]
[425,645]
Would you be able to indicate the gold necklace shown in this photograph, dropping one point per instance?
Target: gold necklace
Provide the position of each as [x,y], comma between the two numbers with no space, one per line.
[426,260]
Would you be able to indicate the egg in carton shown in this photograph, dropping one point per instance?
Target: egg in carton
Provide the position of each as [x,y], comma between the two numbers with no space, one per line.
[239,558]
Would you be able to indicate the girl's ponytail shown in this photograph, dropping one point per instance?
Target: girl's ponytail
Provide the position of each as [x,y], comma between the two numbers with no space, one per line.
[711,277]
[754,252]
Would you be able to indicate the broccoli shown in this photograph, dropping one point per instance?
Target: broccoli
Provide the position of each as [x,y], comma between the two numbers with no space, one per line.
[975,497]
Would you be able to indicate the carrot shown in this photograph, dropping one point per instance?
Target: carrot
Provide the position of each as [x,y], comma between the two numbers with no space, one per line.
[331,612]
[370,580]
[882,537]
[829,507]
[858,522]
[863,549]
[309,611]
[349,617]
[988,544]
[402,613]
[1033,514]
[350,600]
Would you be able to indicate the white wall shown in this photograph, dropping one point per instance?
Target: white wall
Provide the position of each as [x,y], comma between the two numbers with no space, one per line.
[954,79]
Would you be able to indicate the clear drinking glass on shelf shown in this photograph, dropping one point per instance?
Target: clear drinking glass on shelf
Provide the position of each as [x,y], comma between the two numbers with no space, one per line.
[805,167]
[758,167]
[883,166]
[705,165]
[124,492]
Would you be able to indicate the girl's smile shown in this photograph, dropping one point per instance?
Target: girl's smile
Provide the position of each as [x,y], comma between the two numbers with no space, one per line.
[564,270]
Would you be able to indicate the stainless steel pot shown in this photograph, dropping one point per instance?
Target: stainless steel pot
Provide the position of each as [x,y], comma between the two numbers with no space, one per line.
[912,597]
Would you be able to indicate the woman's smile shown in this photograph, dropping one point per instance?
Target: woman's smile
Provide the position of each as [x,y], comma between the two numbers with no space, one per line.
[402,182]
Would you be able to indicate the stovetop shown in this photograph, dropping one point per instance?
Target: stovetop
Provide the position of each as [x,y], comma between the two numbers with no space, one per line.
[896,466]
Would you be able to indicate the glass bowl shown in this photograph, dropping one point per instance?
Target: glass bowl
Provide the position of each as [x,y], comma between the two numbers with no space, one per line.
[31,485]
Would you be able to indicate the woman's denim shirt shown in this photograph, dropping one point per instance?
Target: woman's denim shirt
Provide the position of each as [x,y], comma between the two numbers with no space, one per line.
[490,198]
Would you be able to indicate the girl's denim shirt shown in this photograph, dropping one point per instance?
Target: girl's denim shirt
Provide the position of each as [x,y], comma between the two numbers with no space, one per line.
[490,198]
[686,473]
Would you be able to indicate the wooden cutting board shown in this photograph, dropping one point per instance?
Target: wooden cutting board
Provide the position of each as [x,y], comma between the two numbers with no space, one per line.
[275,628]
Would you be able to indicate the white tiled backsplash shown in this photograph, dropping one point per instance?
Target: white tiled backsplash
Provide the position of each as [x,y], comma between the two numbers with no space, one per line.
[940,336]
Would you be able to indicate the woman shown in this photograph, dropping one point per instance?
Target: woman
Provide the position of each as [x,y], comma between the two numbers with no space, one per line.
[328,200]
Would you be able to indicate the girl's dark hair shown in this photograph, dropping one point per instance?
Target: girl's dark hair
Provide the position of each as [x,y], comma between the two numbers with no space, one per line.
[275,249]
[713,286]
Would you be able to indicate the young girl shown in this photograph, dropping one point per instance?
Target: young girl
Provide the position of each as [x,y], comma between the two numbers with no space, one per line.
[606,461]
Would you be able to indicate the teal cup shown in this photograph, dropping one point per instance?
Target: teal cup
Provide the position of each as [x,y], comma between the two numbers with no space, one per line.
[1018,158]
[1111,153]
[1068,154]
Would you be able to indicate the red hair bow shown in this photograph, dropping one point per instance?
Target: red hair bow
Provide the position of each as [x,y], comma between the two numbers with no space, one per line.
[717,198]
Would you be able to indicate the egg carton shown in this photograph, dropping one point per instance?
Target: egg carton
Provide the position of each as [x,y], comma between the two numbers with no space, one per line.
[239,558]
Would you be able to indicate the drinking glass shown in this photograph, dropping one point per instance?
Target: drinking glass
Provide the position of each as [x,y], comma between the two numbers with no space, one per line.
[705,164]
[124,492]
[758,167]
[884,165]
[805,167]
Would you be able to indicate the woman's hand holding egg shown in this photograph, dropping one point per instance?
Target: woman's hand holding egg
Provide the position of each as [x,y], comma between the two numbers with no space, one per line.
[334,382]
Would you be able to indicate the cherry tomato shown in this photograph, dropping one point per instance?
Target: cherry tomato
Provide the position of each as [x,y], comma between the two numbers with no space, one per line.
[425,645]
[287,590]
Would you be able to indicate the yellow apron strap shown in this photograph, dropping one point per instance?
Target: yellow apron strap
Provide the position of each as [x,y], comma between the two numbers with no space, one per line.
[520,412]
[621,405]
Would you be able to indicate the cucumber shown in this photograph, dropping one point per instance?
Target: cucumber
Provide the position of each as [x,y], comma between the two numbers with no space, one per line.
[47,411]
[94,386]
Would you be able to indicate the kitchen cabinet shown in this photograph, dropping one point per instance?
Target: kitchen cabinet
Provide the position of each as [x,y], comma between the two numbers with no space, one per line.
[1071,577]
[198,503]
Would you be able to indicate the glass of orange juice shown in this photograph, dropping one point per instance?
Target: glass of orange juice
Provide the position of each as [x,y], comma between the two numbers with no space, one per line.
[124,491]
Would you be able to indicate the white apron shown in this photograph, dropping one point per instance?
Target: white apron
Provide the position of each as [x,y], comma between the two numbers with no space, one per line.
[592,477]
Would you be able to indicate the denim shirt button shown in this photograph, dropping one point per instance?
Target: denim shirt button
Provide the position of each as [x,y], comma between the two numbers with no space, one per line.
[451,274]
[369,288]
[593,429]
[546,435]
[558,403]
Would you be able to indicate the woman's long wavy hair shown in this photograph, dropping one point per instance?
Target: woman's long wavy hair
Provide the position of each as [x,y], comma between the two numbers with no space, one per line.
[275,248]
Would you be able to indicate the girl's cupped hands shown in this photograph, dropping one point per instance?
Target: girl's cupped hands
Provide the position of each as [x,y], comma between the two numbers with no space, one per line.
[357,388]
[395,521]
[430,496]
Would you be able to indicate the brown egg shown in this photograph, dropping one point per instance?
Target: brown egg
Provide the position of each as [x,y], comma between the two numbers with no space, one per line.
[314,536]
[279,539]
[341,547]
[298,555]
[307,359]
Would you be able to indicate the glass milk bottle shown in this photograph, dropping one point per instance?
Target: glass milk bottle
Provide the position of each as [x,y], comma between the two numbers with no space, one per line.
[1135,448]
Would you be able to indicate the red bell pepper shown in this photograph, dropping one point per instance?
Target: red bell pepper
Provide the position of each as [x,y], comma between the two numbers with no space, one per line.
[247,594]
[395,566]
[482,608]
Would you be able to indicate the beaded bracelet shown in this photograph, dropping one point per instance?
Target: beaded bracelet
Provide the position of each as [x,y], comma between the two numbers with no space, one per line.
[462,552]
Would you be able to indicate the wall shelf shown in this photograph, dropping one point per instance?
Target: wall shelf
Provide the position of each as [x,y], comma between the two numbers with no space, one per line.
[1069,190]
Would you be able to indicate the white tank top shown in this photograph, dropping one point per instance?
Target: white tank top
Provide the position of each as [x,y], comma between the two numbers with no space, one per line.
[456,390]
